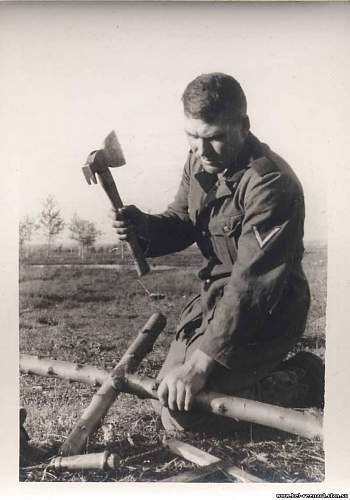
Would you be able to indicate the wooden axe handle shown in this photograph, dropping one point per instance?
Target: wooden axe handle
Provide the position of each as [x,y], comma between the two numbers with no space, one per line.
[110,188]
[103,399]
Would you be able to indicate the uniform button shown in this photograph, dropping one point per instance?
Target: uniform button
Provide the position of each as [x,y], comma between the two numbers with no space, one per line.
[226,229]
[207,282]
[205,233]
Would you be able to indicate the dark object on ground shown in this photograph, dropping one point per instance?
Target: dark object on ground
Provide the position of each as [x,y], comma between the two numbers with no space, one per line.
[23,437]
[28,452]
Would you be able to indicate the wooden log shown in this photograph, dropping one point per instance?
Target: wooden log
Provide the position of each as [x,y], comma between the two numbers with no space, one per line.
[89,461]
[202,458]
[285,419]
[73,372]
[93,415]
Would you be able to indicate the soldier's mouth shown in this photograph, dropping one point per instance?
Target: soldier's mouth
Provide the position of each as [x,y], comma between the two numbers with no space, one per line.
[208,161]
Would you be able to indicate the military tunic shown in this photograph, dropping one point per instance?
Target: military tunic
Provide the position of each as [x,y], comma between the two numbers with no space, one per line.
[248,224]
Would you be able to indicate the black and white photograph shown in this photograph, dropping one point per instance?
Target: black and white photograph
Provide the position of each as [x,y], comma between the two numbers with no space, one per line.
[174,161]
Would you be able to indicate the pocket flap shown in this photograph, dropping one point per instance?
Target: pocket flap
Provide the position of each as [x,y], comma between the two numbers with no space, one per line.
[224,226]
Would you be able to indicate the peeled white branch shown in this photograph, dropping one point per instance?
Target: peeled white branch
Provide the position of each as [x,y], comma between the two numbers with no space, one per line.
[73,372]
[285,419]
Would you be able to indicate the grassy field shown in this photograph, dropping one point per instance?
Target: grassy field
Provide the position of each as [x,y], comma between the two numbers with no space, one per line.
[90,316]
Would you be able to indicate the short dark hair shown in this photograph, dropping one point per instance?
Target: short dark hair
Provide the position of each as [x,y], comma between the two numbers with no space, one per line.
[213,94]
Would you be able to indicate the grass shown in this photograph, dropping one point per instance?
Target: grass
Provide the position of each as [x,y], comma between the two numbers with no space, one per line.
[90,316]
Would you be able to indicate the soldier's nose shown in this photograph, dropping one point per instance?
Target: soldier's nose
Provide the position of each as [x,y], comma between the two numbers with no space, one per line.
[199,147]
[203,148]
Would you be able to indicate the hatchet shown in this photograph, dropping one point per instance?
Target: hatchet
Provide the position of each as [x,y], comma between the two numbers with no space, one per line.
[98,162]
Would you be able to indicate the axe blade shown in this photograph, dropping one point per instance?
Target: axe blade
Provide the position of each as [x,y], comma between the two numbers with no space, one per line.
[113,151]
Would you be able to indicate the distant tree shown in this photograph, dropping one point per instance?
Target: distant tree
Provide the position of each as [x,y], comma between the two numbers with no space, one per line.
[51,221]
[27,227]
[84,233]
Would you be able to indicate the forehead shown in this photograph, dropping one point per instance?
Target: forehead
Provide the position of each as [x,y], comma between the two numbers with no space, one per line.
[200,128]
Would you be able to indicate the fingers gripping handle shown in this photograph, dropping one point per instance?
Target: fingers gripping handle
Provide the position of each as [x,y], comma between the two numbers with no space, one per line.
[108,184]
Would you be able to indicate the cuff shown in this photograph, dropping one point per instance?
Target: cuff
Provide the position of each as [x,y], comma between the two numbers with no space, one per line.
[216,349]
[145,244]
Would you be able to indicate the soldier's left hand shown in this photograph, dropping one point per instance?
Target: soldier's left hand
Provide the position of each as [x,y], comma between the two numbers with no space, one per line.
[183,382]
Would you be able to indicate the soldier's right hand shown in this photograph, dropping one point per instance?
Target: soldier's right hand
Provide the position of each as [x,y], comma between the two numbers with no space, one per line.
[128,219]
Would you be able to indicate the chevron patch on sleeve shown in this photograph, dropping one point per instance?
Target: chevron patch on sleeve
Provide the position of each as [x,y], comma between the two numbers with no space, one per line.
[262,241]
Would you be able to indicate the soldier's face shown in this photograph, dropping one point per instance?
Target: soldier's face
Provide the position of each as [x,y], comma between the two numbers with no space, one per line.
[215,144]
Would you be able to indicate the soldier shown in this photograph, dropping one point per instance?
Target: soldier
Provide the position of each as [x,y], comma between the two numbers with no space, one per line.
[243,206]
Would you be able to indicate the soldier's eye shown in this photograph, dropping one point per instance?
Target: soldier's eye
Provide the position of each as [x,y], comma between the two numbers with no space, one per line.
[218,137]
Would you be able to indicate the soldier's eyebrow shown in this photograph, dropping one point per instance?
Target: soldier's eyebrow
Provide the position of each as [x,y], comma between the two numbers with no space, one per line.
[213,137]
[217,136]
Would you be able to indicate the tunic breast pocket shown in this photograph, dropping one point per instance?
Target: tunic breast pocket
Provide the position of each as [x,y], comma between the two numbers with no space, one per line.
[225,231]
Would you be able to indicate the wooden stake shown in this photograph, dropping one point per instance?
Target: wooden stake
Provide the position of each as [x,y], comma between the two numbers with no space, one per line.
[93,415]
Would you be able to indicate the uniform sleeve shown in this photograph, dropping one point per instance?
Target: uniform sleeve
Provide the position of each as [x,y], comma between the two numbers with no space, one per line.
[267,247]
[172,231]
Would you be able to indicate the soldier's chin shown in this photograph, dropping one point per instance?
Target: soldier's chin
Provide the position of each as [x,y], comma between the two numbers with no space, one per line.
[212,168]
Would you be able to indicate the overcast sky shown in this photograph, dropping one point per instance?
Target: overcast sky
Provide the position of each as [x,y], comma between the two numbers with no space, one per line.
[77,71]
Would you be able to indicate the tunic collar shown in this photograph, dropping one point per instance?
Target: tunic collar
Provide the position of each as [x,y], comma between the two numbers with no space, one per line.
[251,150]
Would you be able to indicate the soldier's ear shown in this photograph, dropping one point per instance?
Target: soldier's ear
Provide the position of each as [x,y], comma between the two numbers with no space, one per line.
[245,125]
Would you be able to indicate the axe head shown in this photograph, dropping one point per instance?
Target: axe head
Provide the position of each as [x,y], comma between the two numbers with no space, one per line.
[99,161]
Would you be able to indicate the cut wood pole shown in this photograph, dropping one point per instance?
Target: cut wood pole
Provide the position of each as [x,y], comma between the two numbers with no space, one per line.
[285,419]
[73,372]
[90,461]
[209,464]
[92,416]
[256,412]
